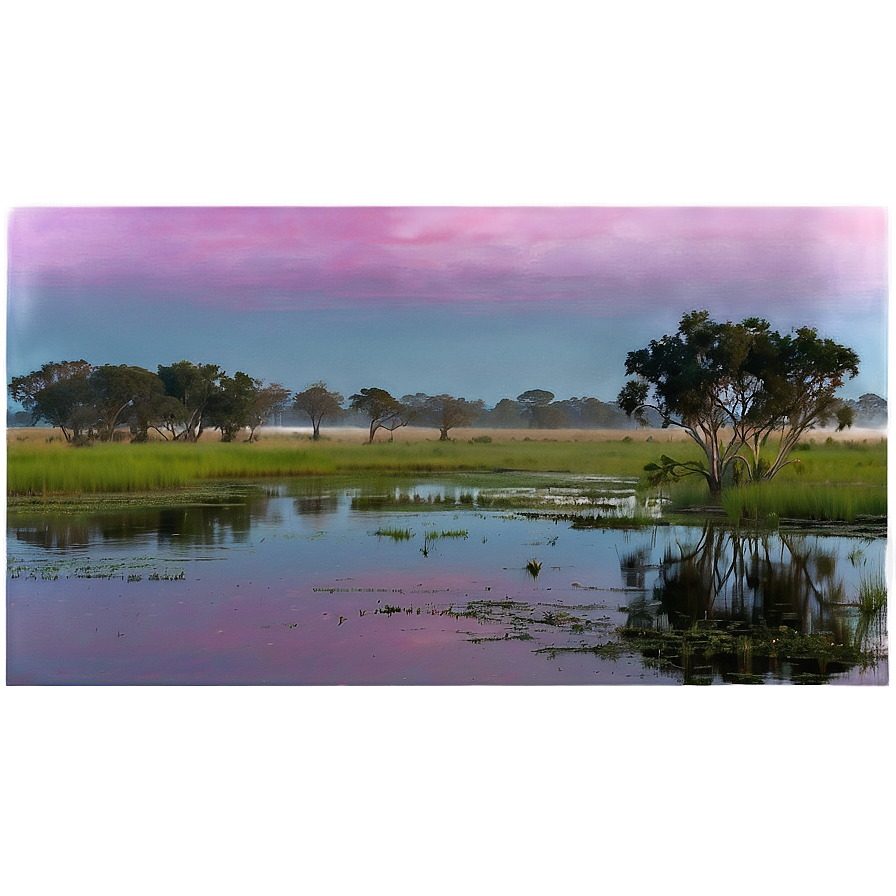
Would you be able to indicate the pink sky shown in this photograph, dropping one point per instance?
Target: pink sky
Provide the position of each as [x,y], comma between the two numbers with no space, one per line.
[259,258]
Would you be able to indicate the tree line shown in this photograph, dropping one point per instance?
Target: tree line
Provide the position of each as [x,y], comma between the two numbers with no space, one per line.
[181,401]
[730,387]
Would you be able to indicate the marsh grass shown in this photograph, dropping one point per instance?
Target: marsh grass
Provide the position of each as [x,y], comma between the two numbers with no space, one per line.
[837,481]
[448,533]
[872,593]
[55,468]
[394,533]
[805,501]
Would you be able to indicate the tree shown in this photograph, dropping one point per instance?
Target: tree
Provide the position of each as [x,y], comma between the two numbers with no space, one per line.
[165,414]
[317,401]
[230,407]
[269,401]
[194,386]
[505,414]
[444,411]
[56,393]
[731,386]
[535,405]
[118,393]
[381,408]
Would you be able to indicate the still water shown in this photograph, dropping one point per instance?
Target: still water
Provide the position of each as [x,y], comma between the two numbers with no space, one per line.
[415,582]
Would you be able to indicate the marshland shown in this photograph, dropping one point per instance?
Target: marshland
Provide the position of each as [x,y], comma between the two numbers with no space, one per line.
[494,557]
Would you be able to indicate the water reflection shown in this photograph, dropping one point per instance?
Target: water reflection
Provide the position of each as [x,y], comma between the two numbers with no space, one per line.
[754,590]
[305,597]
[759,578]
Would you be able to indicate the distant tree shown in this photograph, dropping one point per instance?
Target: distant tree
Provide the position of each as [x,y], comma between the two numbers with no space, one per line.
[535,405]
[731,386]
[872,405]
[317,401]
[194,386]
[505,414]
[57,393]
[444,411]
[590,413]
[269,401]
[381,409]
[18,418]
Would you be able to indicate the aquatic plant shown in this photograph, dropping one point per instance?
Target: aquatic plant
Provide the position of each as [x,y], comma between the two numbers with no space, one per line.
[394,533]
[533,567]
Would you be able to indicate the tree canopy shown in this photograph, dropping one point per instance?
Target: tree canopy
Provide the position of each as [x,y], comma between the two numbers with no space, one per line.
[731,386]
[383,410]
[443,411]
[317,402]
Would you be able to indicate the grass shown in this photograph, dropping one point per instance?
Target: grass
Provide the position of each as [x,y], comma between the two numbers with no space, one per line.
[804,501]
[394,533]
[834,480]
[872,593]
[54,468]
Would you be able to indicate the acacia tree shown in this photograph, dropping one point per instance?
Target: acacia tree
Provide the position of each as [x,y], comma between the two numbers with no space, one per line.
[269,401]
[444,411]
[383,410]
[731,386]
[317,401]
[535,407]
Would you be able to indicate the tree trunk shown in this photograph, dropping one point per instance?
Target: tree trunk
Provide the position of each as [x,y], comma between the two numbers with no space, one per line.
[443,435]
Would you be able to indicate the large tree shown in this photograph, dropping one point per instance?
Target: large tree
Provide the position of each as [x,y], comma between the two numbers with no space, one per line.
[120,393]
[57,393]
[536,408]
[383,410]
[730,387]
[194,386]
[317,401]
[230,408]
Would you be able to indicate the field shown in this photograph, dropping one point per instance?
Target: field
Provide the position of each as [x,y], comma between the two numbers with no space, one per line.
[838,476]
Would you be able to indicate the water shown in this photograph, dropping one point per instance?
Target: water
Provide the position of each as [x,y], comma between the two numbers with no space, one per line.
[293,585]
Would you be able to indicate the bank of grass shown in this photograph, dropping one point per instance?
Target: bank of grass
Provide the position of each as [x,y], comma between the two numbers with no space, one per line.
[55,468]
[840,480]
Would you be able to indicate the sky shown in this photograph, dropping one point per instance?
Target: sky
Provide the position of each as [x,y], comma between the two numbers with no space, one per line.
[473,198]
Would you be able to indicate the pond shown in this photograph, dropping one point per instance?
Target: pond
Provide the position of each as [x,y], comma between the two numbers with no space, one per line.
[433,581]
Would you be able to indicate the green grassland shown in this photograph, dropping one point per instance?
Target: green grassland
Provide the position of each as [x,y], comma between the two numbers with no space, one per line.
[832,480]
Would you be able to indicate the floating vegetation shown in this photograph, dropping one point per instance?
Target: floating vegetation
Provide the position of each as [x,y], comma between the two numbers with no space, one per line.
[747,654]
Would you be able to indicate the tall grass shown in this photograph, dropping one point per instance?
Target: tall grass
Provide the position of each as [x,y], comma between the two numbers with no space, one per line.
[806,501]
[57,468]
[838,481]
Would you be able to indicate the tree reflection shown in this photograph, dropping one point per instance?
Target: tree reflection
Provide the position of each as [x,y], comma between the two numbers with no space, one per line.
[744,605]
[206,524]
[759,578]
